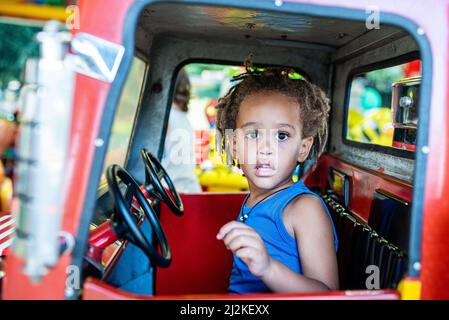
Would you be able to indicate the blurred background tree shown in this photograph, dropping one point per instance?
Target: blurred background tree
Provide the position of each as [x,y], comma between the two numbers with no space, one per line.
[16,45]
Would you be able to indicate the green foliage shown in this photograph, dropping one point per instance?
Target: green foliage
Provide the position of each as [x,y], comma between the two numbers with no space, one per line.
[17,43]
[60,3]
[196,69]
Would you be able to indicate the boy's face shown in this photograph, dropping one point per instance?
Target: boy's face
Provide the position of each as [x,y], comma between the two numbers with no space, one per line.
[268,140]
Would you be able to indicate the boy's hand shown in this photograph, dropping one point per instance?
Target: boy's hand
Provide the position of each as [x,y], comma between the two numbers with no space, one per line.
[247,245]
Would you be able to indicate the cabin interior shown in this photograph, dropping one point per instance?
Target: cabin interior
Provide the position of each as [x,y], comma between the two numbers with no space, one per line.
[368,186]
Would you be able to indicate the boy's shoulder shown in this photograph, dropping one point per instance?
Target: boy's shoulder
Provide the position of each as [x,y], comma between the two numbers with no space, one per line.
[304,209]
[303,203]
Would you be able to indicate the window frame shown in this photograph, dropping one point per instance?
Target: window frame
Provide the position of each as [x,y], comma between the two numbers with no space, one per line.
[408,57]
[139,102]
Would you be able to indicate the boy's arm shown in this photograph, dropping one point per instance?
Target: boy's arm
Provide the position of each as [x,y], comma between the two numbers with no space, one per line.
[308,221]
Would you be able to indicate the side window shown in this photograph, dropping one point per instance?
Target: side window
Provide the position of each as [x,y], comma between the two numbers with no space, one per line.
[382,106]
[189,152]
[124,118]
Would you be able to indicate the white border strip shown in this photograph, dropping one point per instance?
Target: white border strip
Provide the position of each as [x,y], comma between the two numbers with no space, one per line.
[7,224]
[5,245]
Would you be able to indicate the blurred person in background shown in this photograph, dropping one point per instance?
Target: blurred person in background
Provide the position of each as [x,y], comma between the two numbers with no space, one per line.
[179,155]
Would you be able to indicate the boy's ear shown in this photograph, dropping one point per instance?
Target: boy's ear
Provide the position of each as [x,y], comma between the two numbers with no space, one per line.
[304,149]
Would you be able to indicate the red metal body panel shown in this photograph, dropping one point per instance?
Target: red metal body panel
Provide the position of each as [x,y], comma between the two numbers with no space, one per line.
[96,290]
[435,241]
[105,19]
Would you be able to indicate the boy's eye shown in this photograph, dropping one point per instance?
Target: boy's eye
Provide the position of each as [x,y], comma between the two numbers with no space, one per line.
[282,136]
[252,134]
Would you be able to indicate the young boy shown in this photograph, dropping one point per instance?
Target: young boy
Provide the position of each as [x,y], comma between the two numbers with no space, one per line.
[284,239]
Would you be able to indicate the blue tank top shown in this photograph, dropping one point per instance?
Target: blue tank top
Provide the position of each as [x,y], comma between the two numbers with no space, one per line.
[266,220]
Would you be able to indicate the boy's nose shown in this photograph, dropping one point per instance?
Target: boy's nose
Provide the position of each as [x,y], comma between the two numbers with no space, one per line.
[265,145]
[266,152]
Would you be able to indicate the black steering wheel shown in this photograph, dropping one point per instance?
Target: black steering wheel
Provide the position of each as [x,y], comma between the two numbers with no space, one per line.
[114,175]
[155,174]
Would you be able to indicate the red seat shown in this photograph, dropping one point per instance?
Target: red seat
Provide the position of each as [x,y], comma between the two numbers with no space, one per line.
[201,263]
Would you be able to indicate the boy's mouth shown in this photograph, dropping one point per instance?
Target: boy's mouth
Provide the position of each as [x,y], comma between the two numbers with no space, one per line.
[264,169]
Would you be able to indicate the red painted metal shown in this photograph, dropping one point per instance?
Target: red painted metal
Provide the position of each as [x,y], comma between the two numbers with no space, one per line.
[363,183]
[105,19]
[102,236]
[146,195]
[99,239]
[404,146]
[97,290]
[435,236]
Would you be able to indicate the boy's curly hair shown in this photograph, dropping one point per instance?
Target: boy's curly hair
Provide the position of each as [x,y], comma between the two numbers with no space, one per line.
[313,104]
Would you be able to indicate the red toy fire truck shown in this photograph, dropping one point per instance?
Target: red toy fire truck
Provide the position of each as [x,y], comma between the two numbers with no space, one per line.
[78,235]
